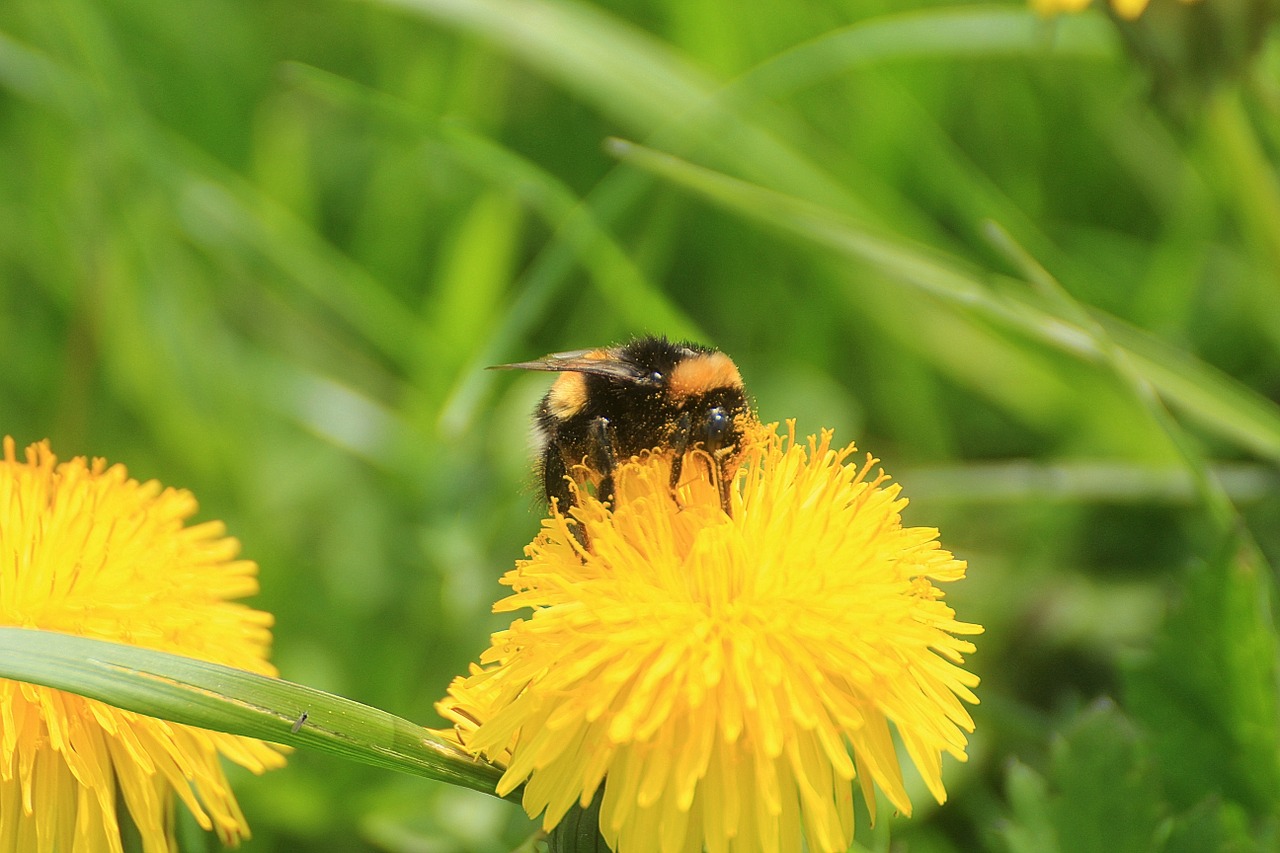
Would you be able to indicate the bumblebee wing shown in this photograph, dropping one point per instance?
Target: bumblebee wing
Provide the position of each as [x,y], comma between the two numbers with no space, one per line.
[597,362]
[555,361]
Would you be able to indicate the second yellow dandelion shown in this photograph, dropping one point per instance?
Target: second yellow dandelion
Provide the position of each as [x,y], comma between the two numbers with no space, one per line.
[86,550]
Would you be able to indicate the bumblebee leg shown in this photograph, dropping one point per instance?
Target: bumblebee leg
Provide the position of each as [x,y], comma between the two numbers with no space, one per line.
[602,458]
[679,444]
[555,479]
[725,484]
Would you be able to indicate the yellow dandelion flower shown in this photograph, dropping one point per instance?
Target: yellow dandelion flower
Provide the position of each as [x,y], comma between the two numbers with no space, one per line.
[726,678]
[85,550]
[1127,9]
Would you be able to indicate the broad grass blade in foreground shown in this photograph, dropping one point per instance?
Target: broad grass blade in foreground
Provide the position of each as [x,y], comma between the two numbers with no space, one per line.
[198,693]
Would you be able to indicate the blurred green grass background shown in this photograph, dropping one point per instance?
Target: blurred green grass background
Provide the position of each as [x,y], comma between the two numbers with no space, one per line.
[264,251]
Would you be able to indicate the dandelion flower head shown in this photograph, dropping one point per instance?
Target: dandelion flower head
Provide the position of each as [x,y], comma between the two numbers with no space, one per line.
[86,550]
[725,678]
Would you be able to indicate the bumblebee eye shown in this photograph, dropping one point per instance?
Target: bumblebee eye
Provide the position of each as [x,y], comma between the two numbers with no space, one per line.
[655,378]
[715,426]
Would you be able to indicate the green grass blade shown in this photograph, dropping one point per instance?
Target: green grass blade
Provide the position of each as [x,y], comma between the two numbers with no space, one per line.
[217,207]
[1215,399]
[636,80]
[1212,398]
[210,696]
[578,227]
[1123,368]
[635,77]
[581,237]
[976,32]
[1019,481]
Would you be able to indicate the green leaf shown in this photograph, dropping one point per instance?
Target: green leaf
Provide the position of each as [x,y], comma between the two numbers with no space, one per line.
[1107,795]
[1213,825]
[1208,693]
[1030,830]
[210,696]
[1100,795]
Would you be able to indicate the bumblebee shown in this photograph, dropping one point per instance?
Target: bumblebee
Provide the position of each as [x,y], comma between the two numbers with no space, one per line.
[651,394]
